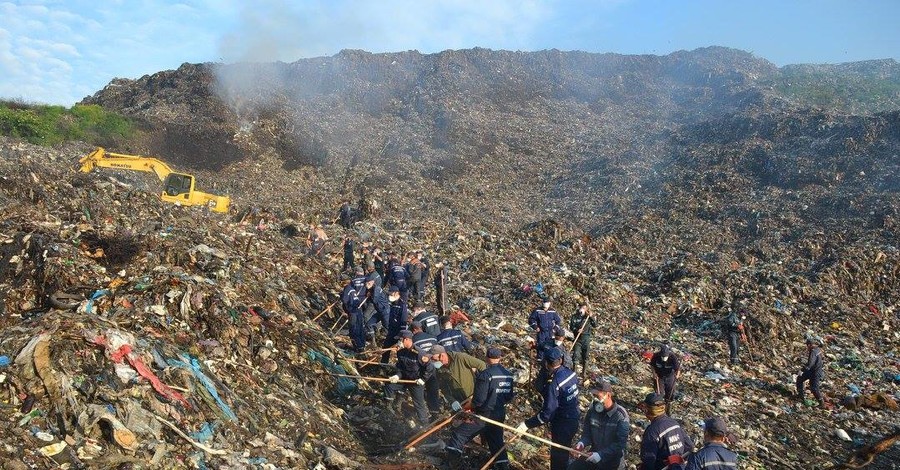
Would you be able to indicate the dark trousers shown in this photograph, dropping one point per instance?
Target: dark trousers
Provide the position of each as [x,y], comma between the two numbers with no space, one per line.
[580,353]
[358,330]
[562,431]
[668,385]
[814,381]
[491,435]
[733,345]
[416,392]
[389,341]
[416,289]
[433,394]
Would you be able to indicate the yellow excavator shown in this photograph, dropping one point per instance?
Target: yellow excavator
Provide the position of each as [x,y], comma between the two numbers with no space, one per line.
[178,188]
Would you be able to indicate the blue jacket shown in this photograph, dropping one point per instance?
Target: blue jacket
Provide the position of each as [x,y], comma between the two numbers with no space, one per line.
[381,303]
[359,283]
[397,276]
[454,340]
[411,367]
[351,297]
[493,390]
[560,394]
[423,342]
[429,321]
[713,456]
[548,321]
[662,438]
[665,369]
[397,318]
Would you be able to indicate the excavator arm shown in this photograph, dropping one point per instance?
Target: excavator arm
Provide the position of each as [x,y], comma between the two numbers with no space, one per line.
[103,159]
[178,188]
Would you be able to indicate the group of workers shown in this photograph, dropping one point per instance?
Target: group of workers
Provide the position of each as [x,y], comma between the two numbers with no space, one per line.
[433,357]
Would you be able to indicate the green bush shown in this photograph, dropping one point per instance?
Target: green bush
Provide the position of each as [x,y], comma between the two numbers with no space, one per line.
[50,125]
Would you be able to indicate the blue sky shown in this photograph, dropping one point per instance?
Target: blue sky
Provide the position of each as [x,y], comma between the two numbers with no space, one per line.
[61,51]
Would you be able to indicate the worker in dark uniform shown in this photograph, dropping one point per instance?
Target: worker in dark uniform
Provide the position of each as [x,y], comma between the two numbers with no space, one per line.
[349,248]
[714,455]
[345,214]
[422,341]
[397,276]
[414,276]
[378,307]
[353,304]
[454,340]
[397,321]
[666,368]
[543,321]
[359,280]
[430,322]
[425,344]
[813,371]
[733,325]
[560,408]
[558,342]
[582,326]
[664,443]
[411,365]
[493,390]
[604,433]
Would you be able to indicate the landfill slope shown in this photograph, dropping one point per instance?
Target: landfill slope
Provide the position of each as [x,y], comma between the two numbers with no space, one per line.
[126,318]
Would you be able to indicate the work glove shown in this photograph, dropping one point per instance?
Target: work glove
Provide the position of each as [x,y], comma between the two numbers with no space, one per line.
[394,379]
[521,428]
[420,382]
[578,448]
[455,406]
[675,459]
[741,327]
[594,458]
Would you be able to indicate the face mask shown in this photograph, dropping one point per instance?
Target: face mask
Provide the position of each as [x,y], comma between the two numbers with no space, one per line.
[598,405]
[438,364]
[558,342]
[665,358]
[400,344]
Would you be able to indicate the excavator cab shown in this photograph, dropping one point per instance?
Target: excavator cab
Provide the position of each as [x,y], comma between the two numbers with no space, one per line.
[178,185]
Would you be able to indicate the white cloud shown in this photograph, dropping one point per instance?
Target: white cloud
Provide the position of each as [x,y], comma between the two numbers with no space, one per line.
[59,52]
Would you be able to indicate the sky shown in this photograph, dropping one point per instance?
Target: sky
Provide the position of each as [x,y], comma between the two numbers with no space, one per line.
[59,52]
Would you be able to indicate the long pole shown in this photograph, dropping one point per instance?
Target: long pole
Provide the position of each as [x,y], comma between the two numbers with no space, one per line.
[364,363]
[531,436]
[376,379]
[431,430]
[749,340]
[327,309]
[434,426]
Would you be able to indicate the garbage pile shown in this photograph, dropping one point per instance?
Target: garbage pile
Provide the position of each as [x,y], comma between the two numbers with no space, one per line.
[139,334]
